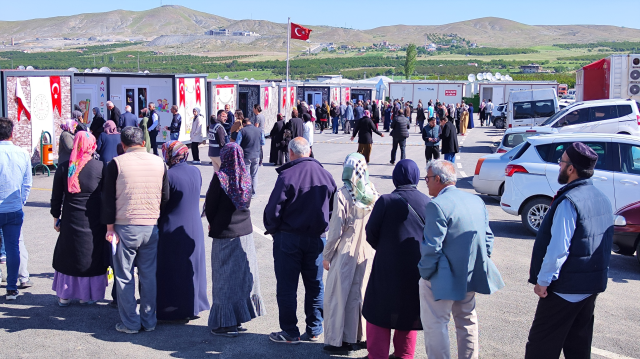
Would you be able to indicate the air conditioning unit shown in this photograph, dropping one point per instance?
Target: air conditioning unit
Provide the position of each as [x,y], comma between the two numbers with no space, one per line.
[634,75]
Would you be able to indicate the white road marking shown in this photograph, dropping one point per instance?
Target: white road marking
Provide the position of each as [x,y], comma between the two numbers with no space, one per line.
[462,174]
[608,354]
[459,165]
[260,232]
[457,157]
[337,138]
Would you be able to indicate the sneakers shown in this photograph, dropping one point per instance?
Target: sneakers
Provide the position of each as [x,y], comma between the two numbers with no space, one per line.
[148,329]
[90,302]
[63,302]
[241,329]
[306,337]
[196,162]
[25,284]
[12,294]
[284,338]
[392,163]
[229,332]
[123,329]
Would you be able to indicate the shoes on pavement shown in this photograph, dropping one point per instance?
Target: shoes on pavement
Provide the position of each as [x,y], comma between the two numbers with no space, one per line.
[229,332]
[63,302]
[392,163]
[123,329]
[25,284]
[306,337]
[3,260]
[113,304]
[196,162]
[241,329]
[284,338]
[12,294]
[345,349]
[148,329]
[89,302]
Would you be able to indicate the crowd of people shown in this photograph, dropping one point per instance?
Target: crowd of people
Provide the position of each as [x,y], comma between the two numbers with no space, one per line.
[402,262]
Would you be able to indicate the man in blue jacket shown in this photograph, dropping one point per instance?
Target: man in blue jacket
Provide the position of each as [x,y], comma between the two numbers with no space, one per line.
[455,263]
[431,138]
[128,119]
[297,215]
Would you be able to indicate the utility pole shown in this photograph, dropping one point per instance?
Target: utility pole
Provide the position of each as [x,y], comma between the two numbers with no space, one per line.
[138,62]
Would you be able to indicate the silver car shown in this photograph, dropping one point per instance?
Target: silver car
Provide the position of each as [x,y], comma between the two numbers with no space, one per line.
[489,175]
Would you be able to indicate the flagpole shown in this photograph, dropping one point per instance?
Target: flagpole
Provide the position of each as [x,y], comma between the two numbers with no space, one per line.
[288,46]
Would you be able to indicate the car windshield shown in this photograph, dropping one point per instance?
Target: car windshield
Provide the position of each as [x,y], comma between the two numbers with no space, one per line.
[553,118]
[514,139]
[513,151]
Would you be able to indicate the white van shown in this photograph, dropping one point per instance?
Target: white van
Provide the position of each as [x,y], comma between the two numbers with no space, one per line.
[531,107]
[599,116]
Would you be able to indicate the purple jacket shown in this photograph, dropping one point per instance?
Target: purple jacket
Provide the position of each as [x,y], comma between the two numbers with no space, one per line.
[302,199]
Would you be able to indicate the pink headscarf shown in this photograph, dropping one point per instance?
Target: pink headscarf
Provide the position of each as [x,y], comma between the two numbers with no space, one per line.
[84,145]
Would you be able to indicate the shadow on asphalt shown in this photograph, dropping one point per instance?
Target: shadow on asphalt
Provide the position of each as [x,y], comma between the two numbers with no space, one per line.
[475,149]
[38,204]
[510,229]
[623,269]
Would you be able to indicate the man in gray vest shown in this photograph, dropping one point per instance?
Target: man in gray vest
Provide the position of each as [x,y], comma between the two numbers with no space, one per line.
[135,188]
[250,139]
[570,260]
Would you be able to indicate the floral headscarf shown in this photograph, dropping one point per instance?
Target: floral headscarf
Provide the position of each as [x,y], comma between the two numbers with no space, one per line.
[355,176]
[69,125]
[174,152]
[110,128]
[84,146]
[233,175]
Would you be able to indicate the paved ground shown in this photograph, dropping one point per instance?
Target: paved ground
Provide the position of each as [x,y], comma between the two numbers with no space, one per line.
[33,326]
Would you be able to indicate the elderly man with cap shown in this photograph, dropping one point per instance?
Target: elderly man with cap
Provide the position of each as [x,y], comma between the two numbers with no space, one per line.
[570,260]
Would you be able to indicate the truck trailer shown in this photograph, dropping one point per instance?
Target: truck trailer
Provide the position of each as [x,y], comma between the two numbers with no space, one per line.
[616,76]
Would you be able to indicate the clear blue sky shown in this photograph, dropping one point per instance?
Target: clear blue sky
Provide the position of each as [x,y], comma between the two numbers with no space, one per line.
[360,14]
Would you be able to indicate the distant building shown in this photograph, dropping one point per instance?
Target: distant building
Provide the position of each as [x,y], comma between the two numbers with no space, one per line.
[531,68]
[431,47]
[385,43]
[219,32]
[244,33]
[473,45]
[454,42]
[329,77]
[472,64]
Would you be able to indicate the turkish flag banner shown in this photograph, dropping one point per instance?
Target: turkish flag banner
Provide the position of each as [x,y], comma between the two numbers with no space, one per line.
[181,98]
[56,96]
[22,102]
[198,92]
[300,32]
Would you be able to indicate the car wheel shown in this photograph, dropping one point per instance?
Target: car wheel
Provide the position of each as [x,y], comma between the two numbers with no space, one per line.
[623,133]
[533,213]
[498,123]
[501,190]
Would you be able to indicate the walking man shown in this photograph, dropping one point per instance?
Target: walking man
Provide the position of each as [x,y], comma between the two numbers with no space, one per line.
[449,137]
[259,121]
[400,132]
[570,260]
[455,265]
[335,117]
[134,191]
[349,119]
[365,127]
[431,138]
[297,214]
[489,112]
[15,176]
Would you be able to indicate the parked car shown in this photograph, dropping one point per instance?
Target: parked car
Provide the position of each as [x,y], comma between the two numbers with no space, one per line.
[515,136]
[489,175]
[626,232]
[531,178]
[499,114]
[531,107]
[599,116]
[567,100]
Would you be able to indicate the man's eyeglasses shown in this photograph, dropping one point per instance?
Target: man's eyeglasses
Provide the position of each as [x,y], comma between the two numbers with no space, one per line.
[561,161]
[426,178]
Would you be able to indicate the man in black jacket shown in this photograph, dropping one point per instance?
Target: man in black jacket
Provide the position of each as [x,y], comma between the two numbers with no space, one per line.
[365,127]
[449,137]
[114,114]
[400,132]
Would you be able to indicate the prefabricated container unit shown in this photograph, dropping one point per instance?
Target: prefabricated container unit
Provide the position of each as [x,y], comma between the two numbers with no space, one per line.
[221,93]
[287,98]
[138,90]
[445,91]
[37,102]
[260,93]
[363,93]
[616,76]
[499,91]
[315,92]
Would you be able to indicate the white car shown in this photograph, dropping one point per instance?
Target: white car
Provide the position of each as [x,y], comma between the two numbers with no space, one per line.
[531,178]
[599,116]
[515,136]
[499,115]
[489,175]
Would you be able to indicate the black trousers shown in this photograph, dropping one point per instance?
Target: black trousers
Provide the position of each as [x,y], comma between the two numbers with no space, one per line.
[431,152]
[153,136]
[402,142]
[560,325]
[195,151]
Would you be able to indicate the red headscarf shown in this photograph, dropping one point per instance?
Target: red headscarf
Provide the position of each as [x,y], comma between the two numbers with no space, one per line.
[84,145]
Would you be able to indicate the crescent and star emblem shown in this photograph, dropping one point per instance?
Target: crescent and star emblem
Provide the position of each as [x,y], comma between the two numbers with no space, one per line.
[299,34]
[53,90]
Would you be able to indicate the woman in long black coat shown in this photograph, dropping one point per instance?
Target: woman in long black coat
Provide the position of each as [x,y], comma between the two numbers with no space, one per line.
[277,133]
[81,255]
[182,269]
[392,299]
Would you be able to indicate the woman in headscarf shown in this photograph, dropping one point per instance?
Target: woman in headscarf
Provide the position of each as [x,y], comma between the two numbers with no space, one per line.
[66,140]
[144,126]
[81,255]
[470,109]
[234,267]
[77,115]
[276,155]
[348,258]
[308,131]
[392,298]
[196,134]
[108,142]
[97,124]
[182,267]
[464,120]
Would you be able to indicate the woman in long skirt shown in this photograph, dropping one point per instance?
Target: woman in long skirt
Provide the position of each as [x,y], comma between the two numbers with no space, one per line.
[81,255]
[234,267]
[182,267]
[348,258]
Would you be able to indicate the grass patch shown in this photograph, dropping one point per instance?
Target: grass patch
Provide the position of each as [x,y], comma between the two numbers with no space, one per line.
[240,75]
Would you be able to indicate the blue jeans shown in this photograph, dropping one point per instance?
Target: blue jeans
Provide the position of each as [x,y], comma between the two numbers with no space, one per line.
[251,165]
[295,255]
[174,136]
[335,122]
[451,157]
[10,225]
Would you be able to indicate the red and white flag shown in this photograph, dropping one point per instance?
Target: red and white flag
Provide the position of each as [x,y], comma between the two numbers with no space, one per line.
[300,32]
[22,102]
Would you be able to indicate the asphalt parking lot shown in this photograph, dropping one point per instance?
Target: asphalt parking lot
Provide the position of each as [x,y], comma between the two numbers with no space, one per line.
[34,326]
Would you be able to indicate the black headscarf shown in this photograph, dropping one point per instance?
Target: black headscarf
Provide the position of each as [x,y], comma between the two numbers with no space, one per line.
[406,173]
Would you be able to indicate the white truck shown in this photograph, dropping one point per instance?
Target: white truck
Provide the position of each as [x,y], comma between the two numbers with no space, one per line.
[531,107]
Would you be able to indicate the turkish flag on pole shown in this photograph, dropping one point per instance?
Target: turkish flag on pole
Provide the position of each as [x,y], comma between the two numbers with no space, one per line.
[299,32]
[22,102]
[56,95]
